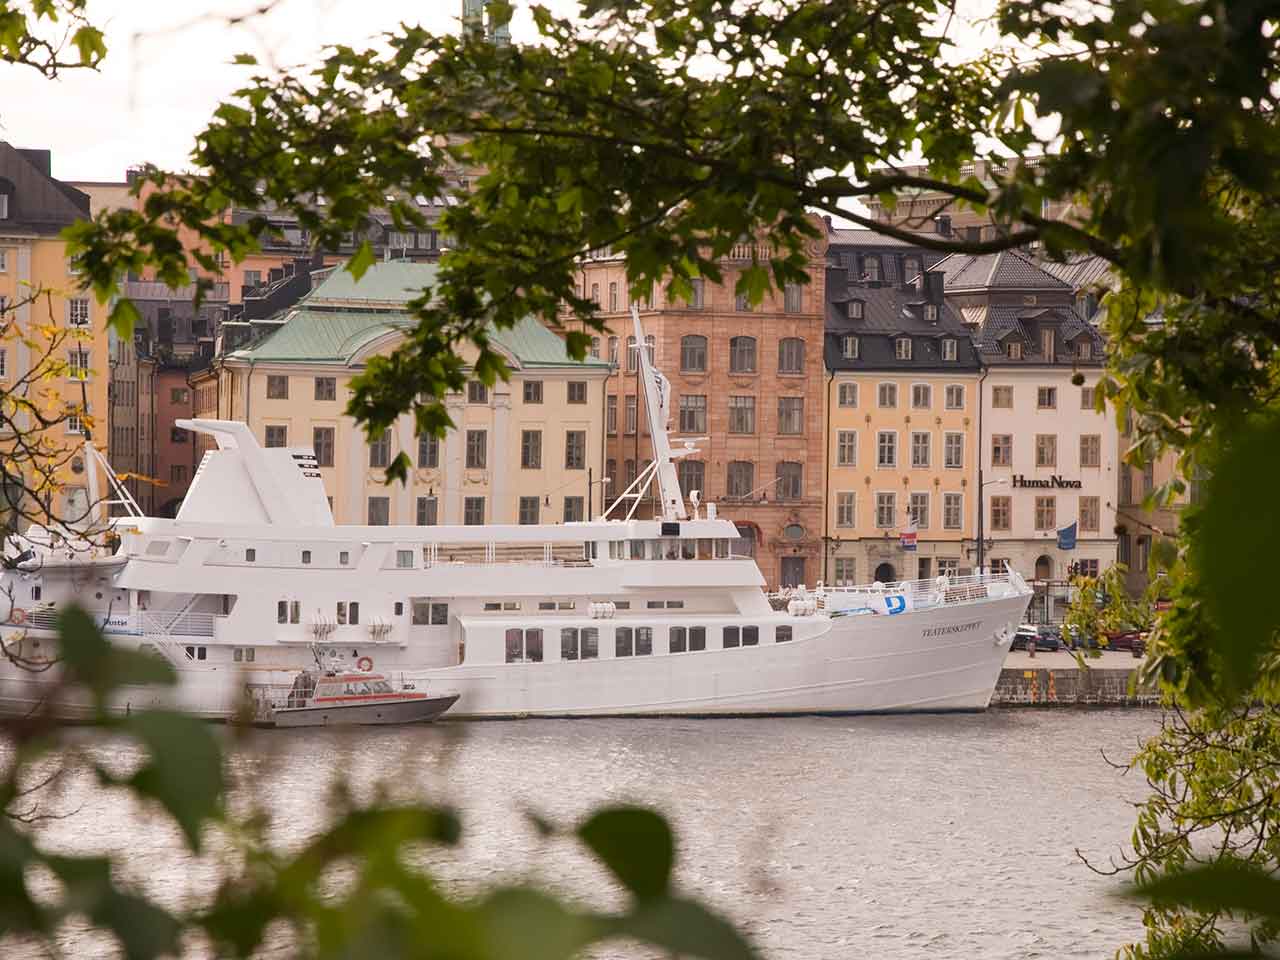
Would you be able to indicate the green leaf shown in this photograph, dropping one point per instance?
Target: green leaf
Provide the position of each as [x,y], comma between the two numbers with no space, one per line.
[526,923]
[362,261]
[685,928]
[245,60]
[90,44]
[184,773]
[1220,886]
[124,317]
[635,844]
[103,668]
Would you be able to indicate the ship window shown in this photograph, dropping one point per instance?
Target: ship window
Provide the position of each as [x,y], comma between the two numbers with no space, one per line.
[697,639]
[623,642]
[399,609]
[250,654]
[420,614]
[157,548]
[250,555]
[689,549]
[440,615]
[644,641]
[546,604]
[510,605]
[341,611]
[493,605]
[750,636]
[678,641]
[344,558]
[201,653]
[353,612]
[524,646]
[282,611]
[568,604]
[622,604]
[637,549]
[732,637]
[306,556]
[35,593]
[404,559]
[295,611]
[579,644]
[191,653]
[655,604]
[722,549]
[781,634]
[237,655]
[675,604]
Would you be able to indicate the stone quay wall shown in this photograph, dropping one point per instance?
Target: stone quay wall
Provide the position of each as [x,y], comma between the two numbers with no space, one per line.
[1057,681]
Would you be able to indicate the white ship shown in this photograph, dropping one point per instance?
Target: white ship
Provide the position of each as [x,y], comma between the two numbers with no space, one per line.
[614,616]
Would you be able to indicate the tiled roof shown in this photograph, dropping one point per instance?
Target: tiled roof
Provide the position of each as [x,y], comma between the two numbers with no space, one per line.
[1002,321]
[839,236]
[1080,271]
[1006,270]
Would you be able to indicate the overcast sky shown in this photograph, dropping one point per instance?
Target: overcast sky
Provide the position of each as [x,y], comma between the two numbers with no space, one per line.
[168,66]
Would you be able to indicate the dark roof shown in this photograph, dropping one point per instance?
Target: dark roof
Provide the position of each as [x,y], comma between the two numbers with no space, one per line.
[38,202]
[1080,271]
[840,237]
[1003,321]
[1006,270]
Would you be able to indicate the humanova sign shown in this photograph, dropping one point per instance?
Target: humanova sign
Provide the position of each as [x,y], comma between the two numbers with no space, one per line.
[1053,482]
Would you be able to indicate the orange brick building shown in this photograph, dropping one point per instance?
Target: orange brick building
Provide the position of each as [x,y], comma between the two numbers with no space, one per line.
[749,381]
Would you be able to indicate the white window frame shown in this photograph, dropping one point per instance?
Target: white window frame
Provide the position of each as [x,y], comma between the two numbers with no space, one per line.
[852,390]
[851,436]
[849,346]
[946,396]
[957,498]
[949,351]
[952,438]
[880,435]
[928,395]
[898,352]
[893,505]
[880,392]
[846,508]
[71,312]
[922,522]
[928,449]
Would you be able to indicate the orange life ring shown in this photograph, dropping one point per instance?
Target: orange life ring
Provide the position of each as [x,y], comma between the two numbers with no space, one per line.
[365,664]
[18,615]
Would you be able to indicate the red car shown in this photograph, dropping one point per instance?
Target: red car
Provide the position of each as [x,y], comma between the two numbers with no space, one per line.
[1129,638]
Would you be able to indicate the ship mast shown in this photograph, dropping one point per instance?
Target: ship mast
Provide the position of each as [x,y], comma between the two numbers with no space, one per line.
[657,400]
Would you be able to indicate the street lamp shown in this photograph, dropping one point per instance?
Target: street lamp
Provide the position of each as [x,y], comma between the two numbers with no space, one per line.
[981,504]
[604,482]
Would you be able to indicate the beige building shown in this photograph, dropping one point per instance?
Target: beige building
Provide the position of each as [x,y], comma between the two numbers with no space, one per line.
[528,450]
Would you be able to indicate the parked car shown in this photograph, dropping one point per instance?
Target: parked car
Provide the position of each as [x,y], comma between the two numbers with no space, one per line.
[1071,637]
[1044,638]
[1128,638]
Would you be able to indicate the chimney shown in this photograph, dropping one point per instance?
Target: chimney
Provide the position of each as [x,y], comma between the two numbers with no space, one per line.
[933,284]
[826,218]
[942,224]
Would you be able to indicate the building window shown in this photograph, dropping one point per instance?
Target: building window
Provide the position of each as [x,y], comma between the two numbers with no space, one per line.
[179,395]
[595,294]
[428,452]
[380,450]
[477,392]
[177,474]
[918,510]
[741,479]
[1013,350]
[886,510]
[533,390]
[575,450]
[529,509]
[847,448]
[742,355]
[948,348]
[277,387]
[1144,553]
[78,312]
[1046,398]
[742,303]
[577,391]
[1090,450]
[1046,450]
[1002,398]
[630,425]
[379,511]
[849,347]
[573,507]
[693,414]
[871,269]
[322,444]
[613,350]
[1048,345]
[845,515]
[1148,478]
[856,309]
[792,298]
[691,474]
[847,395]
[791,355]
[693,354]
[1084,350]
[921,448]
[326,388]
[742,414]
[1046,513]
[1001,513]
[613,297]
[1002,450]
[953,450]
[276,436]
[952,510]
[428,511]
[887,395]
[954,396]
[846,572]
[633,359]
[473,511]
[697,295]
[902,348]
[477,449]
[790,480]
[790,415]
[921,396]
[78,365]
[611,415]
[887,448]
[531,449]
[1087,398]
[1089,514]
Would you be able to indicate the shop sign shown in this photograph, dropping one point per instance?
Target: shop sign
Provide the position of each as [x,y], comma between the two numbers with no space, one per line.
[1053,482]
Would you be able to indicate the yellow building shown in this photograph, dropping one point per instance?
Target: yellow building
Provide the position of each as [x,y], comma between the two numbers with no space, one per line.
[525,451]
[902,403]
[53,339]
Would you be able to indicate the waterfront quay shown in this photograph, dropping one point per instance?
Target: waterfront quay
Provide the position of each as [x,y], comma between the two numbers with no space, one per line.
[1055,679]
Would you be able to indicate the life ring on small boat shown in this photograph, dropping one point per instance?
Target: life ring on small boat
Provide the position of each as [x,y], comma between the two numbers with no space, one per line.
[365,664]
[17,615]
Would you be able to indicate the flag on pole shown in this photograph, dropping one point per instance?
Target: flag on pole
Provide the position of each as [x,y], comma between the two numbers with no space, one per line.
[1067,536]
[908,536]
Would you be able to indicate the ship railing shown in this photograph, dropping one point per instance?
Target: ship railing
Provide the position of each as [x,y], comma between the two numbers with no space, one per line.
[935,592]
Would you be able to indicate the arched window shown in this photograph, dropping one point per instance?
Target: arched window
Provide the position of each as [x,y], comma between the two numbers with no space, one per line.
[595,347]
[742,355]
[651,344]
[790,480]
[741,479]
[1044,568]
[632,359]
[791,355]
[693,353]
[691,474]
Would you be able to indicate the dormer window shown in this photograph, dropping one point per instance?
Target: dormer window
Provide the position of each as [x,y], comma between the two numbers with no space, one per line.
[855,309]
[948,349]
[902,348]
[1013,350]
[1048,345]
[931,313]
[871,269]
[1084,350]
[849,347]
[4,206]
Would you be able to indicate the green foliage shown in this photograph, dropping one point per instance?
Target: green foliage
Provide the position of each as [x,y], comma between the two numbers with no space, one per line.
[392,906]
[36,33]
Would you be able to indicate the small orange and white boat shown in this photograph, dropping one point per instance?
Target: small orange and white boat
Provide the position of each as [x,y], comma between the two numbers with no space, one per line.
[320,698]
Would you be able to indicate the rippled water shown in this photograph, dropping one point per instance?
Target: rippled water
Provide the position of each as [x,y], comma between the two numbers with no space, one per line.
[939,836]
